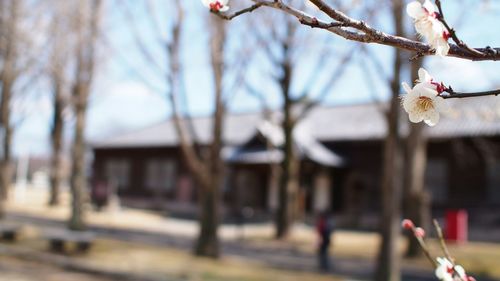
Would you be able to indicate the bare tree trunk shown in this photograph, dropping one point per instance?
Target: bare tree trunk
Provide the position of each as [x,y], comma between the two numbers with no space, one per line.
[5,162]
[289,185]
[207,244]
[56,138]
[288,188]
[207,172]
[8,76]
[88,30]
[78,181]
[388,263]
[57,69]
[417,200]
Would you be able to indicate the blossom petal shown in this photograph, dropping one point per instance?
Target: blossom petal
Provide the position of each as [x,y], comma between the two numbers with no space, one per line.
[441,105]
[406,87]
[429,6]
[224,8]
[442,47]
[426,86]
[431,117]
[409,102]
[447,262]
[437,27]
[428,92]
[439,273]
[460,271]
[415,10]
[415,117]
[423,75]
[424,27]
[442,272]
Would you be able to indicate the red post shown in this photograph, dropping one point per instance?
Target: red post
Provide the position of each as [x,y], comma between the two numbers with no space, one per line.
[456,227]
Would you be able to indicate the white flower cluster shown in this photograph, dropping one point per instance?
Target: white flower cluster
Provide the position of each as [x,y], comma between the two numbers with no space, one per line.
[447,272]
[427,25]
[422,102]
[445,269]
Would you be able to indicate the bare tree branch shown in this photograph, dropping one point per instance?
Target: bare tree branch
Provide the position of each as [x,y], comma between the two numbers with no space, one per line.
[356,30]
[151,58]
[240,12]
[452,32]
[376,64]
[452,94]
[264,43]
[200,171]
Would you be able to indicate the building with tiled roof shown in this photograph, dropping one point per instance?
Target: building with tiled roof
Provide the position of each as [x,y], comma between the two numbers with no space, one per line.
[341,154]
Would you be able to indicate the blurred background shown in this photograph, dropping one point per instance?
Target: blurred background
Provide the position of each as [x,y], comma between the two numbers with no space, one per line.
[152,140]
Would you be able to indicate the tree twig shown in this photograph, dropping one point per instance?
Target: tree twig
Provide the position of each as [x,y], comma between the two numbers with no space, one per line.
[453,34]
[442,243]
[238,13]
[356,30]
[452,94]
[424,247]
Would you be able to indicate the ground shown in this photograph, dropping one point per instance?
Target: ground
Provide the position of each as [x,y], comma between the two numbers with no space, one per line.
[151,246]
[13,269]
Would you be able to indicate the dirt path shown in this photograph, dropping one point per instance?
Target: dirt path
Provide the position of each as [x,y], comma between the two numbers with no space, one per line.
[279,256]
[12,269]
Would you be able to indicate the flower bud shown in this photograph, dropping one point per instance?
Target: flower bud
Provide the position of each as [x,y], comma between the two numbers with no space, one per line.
[407,224]
[419,232]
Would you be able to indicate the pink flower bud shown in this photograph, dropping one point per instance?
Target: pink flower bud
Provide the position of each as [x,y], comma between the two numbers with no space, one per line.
[470,278]
[407,224]
[419,232]
[216,6]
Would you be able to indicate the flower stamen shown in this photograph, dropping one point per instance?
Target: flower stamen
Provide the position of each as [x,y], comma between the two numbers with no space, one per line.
[425,103]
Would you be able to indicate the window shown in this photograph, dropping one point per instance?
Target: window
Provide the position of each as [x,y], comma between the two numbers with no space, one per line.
[160,174]
[436,180]
[117,173]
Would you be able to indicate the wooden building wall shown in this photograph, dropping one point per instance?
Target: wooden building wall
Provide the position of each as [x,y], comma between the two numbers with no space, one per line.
[462,172]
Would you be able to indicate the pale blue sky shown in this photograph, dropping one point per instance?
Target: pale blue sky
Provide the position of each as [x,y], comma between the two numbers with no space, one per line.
[122,101]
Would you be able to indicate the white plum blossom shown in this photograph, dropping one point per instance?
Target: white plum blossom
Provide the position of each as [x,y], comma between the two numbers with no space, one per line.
[447,272]
[427,25]
[422,102]
[216,5]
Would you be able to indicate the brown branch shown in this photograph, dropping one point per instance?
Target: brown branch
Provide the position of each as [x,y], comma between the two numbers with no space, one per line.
[442,243]
[424,247]
[355,30]
[343,18]
[194,163]
[452,32]
[315,23]
[137,35]
[263,43]
[344,62]
[238,13]
[452,94]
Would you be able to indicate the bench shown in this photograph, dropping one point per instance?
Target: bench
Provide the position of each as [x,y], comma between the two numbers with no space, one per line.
[9,231]
[59,238]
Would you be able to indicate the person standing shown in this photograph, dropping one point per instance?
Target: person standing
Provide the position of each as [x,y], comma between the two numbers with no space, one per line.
[324,228]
